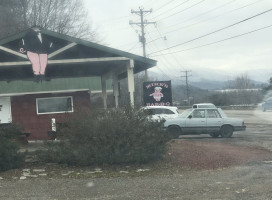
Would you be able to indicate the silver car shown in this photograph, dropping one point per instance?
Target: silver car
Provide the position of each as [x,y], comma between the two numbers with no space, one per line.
[211,121]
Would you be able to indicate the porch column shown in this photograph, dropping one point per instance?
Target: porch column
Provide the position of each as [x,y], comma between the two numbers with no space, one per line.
[115,89]
[130,75]
[104,91]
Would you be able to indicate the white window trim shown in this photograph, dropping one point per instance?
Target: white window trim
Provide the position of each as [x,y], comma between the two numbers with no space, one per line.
[72,102]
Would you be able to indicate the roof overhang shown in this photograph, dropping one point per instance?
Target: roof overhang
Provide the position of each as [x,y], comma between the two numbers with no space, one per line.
[70,57]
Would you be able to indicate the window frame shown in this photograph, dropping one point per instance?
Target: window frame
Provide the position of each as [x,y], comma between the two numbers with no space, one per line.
[45,113]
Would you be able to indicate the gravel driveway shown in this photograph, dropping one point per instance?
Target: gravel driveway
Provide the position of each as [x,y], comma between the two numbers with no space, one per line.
[195,167]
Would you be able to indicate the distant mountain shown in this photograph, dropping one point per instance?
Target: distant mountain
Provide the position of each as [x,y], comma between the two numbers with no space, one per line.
[210,85]
[203,83]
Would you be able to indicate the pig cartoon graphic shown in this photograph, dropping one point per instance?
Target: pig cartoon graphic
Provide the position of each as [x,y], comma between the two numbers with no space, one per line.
[157,95]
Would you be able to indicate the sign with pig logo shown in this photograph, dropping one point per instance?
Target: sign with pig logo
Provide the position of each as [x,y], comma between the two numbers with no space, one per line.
[157,93]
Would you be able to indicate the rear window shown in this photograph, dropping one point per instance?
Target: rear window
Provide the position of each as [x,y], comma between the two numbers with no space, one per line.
[167,111]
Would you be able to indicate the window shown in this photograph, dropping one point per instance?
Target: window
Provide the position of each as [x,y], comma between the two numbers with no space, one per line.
[158,111]
[167,111]
[198,114]
[213,114]
[54,105]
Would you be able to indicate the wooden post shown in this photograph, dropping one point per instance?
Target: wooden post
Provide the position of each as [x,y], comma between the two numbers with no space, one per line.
[104,91]
[130,74]
[115,89]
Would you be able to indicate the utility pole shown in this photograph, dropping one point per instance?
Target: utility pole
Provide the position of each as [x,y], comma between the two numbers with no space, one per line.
[142,24]
[187,85]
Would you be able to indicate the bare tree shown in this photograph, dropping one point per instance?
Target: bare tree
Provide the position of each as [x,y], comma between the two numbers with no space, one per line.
[10,17]
[63,16]
[242,82]
[244,93]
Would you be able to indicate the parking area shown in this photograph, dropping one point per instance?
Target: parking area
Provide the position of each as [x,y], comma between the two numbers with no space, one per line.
[249,178]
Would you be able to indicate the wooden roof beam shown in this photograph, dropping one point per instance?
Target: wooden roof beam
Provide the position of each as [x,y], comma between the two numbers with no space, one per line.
[67,61]
[62,49]
[13,52]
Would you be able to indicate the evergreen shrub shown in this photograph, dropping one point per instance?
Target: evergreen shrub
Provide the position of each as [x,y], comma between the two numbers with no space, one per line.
[110,136]
[9,156]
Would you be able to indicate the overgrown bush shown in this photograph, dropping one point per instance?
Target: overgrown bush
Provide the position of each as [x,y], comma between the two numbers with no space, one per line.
[10,131]
[111,136]
[9,156]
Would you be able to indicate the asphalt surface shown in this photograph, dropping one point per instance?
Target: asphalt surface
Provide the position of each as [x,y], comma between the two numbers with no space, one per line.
[250,181]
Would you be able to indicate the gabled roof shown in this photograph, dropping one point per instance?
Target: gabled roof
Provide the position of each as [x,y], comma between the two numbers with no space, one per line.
[81,50]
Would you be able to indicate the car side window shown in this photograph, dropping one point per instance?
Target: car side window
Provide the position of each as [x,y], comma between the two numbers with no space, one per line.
[199,113]
[158,111]
[166,111]
[151,111]
[213,114]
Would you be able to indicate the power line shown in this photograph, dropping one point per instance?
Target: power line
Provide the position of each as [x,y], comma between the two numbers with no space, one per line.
[133,46]
[218,30]
[151,3]
[204,13]
[182,10]
[168,63]
[233,37]
[170,9]
[170,50]
[190,25]
[168,71]
[165,4]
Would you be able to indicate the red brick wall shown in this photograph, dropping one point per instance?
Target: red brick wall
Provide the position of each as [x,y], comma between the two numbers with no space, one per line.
[23,109]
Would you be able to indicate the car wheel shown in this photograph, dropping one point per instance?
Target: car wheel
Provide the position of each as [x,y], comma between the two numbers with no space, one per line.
[226,131]
[214,135]
[174,131]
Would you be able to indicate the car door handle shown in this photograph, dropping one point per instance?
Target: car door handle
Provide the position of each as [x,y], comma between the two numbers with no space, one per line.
[202,121]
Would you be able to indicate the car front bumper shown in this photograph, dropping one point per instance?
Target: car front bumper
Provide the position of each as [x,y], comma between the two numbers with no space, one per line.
[239,128]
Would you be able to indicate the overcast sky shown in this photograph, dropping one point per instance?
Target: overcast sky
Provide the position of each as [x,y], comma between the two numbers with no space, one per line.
[184,20]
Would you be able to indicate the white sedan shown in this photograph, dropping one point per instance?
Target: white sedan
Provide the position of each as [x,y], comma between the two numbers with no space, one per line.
[211,121]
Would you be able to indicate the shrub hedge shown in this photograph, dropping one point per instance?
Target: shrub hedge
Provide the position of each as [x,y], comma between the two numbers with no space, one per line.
[9,156]
[111,136]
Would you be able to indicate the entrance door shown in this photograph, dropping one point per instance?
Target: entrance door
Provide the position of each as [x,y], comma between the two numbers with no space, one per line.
[5,110]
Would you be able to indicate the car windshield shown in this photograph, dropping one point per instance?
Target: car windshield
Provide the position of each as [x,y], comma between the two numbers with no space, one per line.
[185,113]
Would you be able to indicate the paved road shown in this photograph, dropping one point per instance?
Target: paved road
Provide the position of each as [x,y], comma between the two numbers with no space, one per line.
[252,181]
[251,116]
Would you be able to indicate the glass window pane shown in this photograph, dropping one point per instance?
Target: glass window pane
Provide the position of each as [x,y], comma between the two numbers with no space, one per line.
[166,111]
[54,105]
[198,113]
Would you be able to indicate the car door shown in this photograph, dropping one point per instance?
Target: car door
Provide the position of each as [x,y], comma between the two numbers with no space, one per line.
[214,120]
[196,123]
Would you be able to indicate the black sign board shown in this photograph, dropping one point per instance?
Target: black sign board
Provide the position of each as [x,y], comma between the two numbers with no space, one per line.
[157,93]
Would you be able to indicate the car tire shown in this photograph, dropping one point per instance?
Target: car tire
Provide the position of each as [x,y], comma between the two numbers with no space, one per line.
[174,131]
[226,131]
[214,135]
